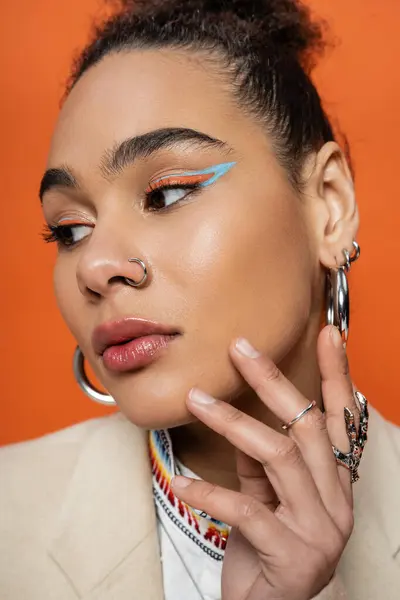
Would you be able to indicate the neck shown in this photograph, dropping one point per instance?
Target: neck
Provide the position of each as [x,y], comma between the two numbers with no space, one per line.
[210,455]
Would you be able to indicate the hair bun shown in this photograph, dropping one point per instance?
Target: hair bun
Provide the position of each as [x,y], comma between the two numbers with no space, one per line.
[285,24]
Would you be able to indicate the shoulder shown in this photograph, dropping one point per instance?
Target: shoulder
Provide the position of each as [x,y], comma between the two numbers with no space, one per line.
[55,497]
[381,456]
[35,472]
[380,425]
[68,440]
[370,562]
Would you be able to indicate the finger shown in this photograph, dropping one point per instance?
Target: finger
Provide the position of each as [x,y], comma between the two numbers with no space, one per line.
[253,480]
[279,455]
[277,544]
[337,390]
[310,432]
[259,526]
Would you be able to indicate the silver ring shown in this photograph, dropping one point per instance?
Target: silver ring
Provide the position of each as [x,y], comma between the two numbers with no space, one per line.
[144,278]
[301,414]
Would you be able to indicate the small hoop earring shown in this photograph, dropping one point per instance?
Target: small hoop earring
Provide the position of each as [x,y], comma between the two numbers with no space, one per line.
[351,258]
[140,283]
[78,365]
[337,295]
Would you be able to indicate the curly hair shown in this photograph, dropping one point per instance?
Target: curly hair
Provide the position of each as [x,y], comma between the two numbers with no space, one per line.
[266,48]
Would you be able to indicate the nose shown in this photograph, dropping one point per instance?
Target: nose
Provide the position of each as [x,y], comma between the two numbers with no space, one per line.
[104,267]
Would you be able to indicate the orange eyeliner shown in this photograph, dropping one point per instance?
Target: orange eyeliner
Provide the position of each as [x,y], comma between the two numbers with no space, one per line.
[177,180]
[70,222]
[203,178]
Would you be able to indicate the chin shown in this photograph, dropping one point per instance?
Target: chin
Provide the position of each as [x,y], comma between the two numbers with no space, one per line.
[156,398]
[155,404]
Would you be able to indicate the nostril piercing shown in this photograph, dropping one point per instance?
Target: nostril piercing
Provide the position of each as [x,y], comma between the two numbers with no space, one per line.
[140,283]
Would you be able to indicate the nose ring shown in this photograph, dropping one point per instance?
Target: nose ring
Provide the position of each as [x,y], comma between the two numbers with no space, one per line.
[144,278]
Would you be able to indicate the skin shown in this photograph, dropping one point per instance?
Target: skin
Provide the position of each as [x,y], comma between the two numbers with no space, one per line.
[294,502]
[244,257]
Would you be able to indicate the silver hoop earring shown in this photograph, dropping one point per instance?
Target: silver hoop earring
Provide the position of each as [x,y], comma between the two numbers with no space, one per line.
[337,294]
[145,274]
[84,383]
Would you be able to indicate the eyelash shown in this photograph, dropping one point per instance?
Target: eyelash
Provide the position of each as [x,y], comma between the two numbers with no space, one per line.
[55,233]
[178,185]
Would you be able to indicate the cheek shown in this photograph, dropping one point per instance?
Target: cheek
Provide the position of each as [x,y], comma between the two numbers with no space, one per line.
[247,271]
[67,294]
[248,280]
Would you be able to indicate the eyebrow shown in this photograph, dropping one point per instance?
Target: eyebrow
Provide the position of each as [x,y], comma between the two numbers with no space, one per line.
[125,153]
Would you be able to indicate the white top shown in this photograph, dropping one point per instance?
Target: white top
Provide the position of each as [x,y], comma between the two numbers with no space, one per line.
[192,545]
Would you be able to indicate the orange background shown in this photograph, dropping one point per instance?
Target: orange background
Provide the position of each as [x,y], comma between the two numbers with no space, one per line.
[360,78]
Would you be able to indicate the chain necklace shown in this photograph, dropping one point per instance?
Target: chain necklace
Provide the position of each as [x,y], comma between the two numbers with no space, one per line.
[206,532]
[183,562]
[210,537]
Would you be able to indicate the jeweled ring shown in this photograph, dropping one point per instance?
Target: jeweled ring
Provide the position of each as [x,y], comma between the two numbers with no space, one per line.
[351,460]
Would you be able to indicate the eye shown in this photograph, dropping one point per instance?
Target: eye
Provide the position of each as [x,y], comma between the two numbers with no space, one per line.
[66,235]
[160,197]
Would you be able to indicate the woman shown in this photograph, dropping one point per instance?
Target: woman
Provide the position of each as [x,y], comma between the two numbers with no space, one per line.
[202,207]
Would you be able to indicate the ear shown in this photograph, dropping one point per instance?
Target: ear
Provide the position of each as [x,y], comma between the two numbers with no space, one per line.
[333,208]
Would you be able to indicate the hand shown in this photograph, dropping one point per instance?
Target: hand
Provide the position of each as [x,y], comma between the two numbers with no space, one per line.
[294,513]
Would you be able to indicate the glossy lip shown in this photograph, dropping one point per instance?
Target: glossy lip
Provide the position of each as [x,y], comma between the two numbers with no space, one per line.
[114,333]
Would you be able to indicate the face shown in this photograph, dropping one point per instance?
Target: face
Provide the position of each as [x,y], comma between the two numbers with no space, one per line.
[227,244]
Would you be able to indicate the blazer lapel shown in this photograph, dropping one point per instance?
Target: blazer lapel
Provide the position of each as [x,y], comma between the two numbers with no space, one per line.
[105,536]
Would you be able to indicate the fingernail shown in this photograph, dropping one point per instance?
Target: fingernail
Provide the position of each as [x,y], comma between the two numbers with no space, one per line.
[201,513]
[199,397]
[337,338]
[180,481]
[245,348]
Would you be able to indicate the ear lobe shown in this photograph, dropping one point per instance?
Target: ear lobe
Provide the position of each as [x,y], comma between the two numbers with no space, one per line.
[340,219]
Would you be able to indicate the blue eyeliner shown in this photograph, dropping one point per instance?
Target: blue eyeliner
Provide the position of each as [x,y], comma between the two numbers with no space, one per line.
[216,170]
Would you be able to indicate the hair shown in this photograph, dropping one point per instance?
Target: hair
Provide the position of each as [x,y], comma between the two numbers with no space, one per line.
[266,48]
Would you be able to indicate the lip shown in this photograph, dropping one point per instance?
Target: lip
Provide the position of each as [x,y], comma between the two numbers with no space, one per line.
[131,343]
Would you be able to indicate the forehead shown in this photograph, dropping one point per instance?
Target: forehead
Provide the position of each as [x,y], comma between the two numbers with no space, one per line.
[129,93]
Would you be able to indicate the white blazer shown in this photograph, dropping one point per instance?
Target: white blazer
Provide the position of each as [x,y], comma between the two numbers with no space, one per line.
[77,517]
